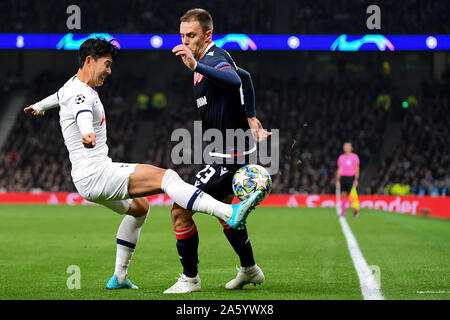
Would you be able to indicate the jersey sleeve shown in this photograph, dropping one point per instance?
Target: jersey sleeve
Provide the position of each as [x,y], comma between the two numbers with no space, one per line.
[339,161]
[248,92]
[223,65]
[220,71]
[356,160]
[45,104]
[81,105]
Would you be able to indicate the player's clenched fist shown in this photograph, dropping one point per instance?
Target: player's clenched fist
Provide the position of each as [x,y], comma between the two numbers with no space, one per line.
[88,140]
[186,55]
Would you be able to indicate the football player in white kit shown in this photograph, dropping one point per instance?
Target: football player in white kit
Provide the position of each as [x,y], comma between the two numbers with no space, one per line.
[122,187]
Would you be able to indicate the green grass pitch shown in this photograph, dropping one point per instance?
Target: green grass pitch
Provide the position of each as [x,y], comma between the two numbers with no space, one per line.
[302,252]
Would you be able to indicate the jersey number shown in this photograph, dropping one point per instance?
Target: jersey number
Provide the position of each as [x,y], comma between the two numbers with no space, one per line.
[205,174]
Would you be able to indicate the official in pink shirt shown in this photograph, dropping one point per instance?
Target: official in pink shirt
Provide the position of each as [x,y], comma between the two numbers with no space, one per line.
[347,174]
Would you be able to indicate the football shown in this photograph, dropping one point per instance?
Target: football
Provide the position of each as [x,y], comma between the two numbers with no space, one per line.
[249,179]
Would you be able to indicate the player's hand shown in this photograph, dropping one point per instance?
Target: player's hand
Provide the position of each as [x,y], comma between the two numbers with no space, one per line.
[355,183]
[30,109]
[88,140]
[259,133]
[186,56]
[338,184]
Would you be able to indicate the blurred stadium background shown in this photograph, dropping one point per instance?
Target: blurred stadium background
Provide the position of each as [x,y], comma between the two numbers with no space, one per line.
[393,106]
[316,99]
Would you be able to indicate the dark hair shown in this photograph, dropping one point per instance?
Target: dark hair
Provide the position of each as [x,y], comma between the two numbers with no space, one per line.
[200,15]
[96,48]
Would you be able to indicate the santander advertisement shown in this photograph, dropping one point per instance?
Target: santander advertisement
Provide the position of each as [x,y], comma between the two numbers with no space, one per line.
[415,205]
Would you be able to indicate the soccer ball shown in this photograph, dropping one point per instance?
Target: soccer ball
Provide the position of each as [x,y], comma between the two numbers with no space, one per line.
[249,179]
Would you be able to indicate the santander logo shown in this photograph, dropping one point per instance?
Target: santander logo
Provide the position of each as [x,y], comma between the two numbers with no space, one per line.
[436,206]
[398,205]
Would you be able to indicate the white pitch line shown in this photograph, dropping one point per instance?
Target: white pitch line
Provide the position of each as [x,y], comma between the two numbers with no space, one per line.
[369,286]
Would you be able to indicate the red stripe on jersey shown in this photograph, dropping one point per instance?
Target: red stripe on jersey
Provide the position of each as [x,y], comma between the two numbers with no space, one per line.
[226,67]
[103,118]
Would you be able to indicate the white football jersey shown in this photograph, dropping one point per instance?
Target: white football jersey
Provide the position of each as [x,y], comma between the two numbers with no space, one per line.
[74,98]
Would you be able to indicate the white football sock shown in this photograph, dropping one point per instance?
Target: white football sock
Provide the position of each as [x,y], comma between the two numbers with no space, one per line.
[127,237]
[192,198]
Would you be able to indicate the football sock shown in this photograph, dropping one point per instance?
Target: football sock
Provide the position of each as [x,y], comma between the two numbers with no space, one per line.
[241,244]
[127,237]
[187,246]
[191,198]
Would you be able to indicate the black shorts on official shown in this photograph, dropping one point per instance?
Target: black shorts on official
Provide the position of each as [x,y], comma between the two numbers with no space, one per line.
[216,179]
[347,183]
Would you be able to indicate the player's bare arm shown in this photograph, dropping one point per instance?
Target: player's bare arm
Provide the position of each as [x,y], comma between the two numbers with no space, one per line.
[355,182]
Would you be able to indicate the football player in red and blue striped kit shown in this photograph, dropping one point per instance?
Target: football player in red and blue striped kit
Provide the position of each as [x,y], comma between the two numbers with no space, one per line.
[225,99]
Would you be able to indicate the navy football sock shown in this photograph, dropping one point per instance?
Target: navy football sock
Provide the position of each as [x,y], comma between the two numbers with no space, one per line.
[187,246]
[241,244]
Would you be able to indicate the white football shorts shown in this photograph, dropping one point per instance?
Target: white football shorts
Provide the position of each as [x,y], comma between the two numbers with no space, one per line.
[109,186]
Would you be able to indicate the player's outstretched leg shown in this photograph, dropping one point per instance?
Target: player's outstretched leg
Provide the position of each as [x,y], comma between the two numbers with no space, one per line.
[148,180]
[194,199]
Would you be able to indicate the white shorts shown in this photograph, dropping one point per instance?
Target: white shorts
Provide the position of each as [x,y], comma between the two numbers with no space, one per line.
[109,186]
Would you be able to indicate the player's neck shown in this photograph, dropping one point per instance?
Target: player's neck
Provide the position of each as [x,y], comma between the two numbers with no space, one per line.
[84,76]
[205,48]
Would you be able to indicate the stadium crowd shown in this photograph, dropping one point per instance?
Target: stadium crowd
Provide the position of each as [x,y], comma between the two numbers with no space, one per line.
[254,16]
[420,162]
[397,16]
[137,16]
[314,117]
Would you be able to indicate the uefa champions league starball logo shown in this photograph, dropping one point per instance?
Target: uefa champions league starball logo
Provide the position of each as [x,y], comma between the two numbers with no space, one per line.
[79,99]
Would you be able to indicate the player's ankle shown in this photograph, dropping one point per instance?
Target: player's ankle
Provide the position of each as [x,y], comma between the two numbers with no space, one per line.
[248,268]
[191,274]
[121,278]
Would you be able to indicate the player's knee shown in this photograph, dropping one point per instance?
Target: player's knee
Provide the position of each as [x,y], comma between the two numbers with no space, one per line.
[181,218]
[139,207]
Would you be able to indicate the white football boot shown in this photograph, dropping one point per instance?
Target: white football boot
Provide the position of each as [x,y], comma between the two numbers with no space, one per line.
[245,276]
[185,285]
